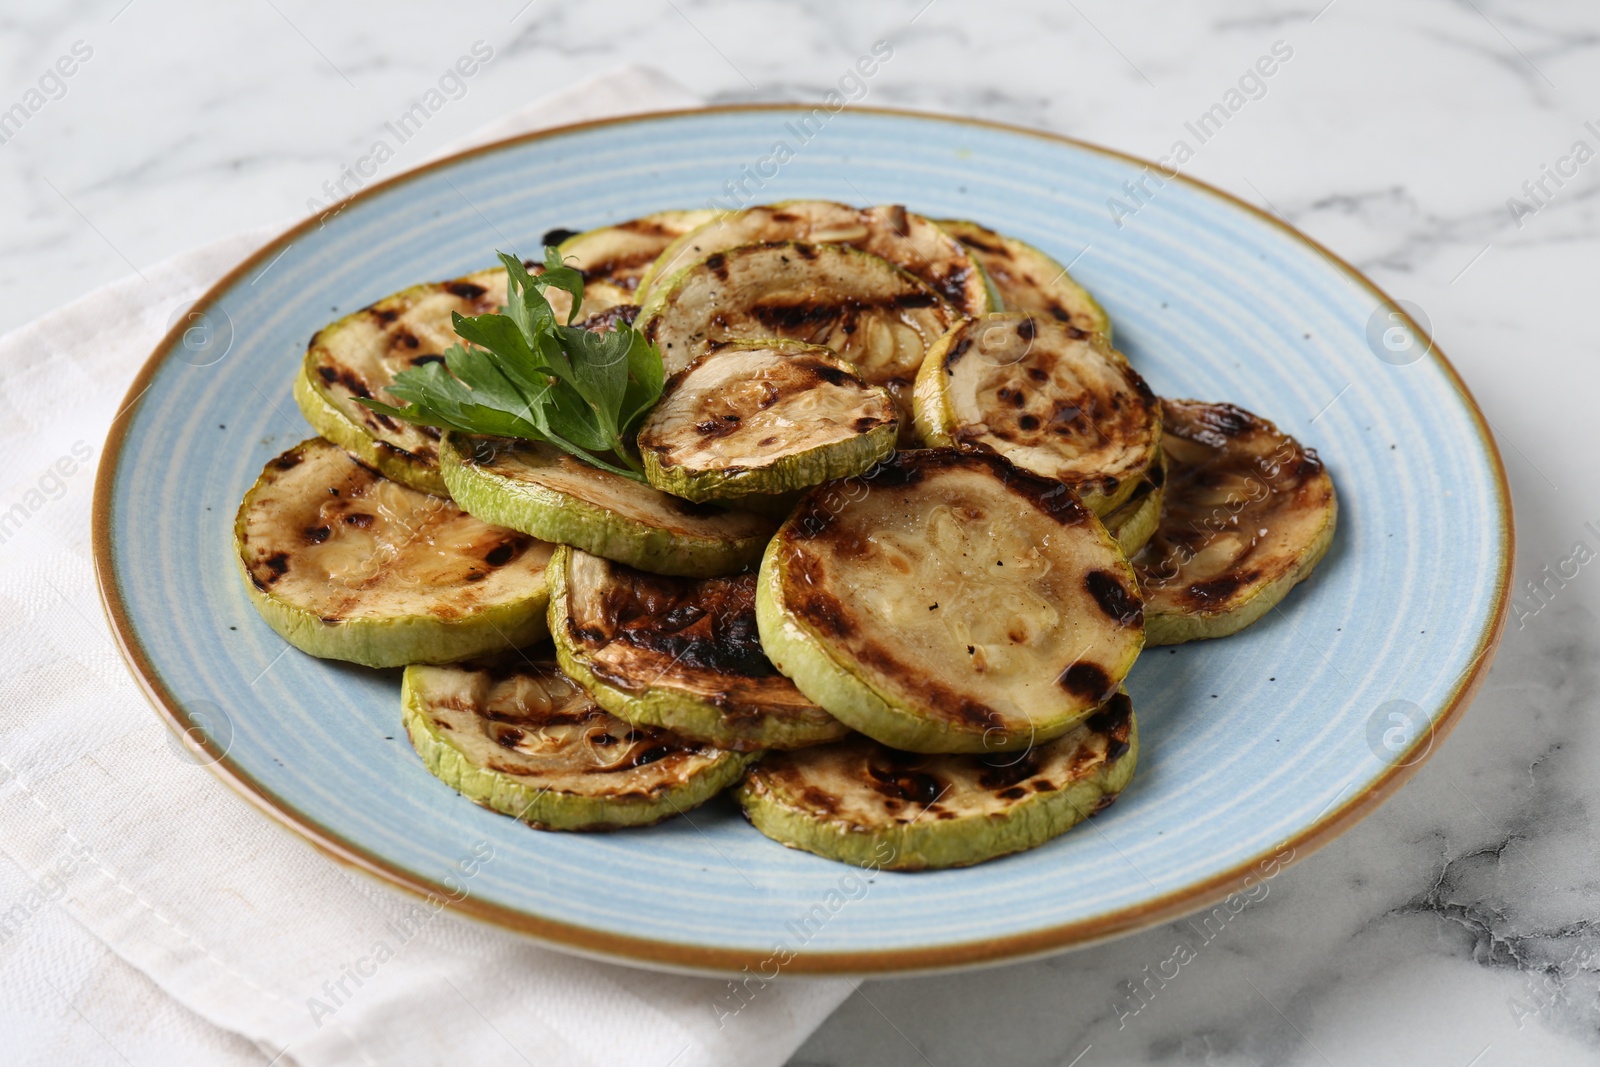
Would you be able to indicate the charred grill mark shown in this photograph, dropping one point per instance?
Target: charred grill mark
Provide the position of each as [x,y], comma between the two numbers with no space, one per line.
[983,245]
[717,264]
[712,429]
[510,738]
[384,315]
[1087,681]
[653,754]
[277,564]
[957,350]
[898,783]
[346,377]
[1114,720]
[820,799]
[1016,792]
[805,251]
[359,519]
[315,535]
[1026,329]
[866,423]
[829,373]
[465,290]
[288,461]
[423,360]
[916,300]
[1003,770]
[1219,589]
[557,235]
[404,338]
[790,318]
[501,554]
[609,318]
[1115,599]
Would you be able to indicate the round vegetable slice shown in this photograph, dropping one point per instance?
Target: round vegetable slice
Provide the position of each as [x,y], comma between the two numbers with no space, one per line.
[948,601]
[1248,513]
[521,738]
[347,564]
[1028,280]
[1049,400]
[680,653]
[764,417]
[1135,521]
[902,237]
[620,255]
[359,355]
[544,492]
[861,802]
[873,314]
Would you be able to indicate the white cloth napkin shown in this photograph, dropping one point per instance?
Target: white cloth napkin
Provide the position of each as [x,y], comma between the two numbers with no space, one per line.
[151,916]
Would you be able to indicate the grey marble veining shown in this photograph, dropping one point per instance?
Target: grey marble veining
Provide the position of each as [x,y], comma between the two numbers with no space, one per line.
[1460,925]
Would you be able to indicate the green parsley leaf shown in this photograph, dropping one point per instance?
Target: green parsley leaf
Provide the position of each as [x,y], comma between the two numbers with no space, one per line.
[522,374]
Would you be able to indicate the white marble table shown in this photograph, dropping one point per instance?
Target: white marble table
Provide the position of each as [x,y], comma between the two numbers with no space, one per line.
[1458,926]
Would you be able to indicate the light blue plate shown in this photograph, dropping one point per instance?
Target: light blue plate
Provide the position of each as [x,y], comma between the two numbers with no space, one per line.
[1259,746]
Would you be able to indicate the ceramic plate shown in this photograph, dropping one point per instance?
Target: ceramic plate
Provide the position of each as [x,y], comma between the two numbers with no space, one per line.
[1256,749]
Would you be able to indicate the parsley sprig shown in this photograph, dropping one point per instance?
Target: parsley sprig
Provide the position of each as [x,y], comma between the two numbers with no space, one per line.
[523,374]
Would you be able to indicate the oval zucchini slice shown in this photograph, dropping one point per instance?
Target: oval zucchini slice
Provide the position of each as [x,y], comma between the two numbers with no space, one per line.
[620,255]
[948,601]
[873,314]
[1028,280]
[1135,521]
[520,738]
[359,356]
[860,802]
[544,492]
[1047,399]
[679,653]
[1248,513]
[764,417]
[346,564]
[904,238]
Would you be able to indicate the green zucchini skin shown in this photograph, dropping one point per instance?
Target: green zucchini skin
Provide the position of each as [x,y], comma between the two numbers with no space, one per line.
[723,428]
[458,744]
[458,617]
[833,619]
[331,423]
[643,681]
[1247,515]
[858,802]
[1025,279]
[1134,522]
[547,494]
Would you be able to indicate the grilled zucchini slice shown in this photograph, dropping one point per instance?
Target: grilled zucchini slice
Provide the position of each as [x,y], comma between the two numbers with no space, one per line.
[544,492]
[521,738]
[1047,399]
[1248,513]
[949,601]
[860,802]
[359,356]
[680,653]
[347,564]
[764,417]
[872,313]
[620,255]
[1028,280]
[903,238]
[1135,521]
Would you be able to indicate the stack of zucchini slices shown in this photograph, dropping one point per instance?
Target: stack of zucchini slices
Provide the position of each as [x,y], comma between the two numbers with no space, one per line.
[909,520]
